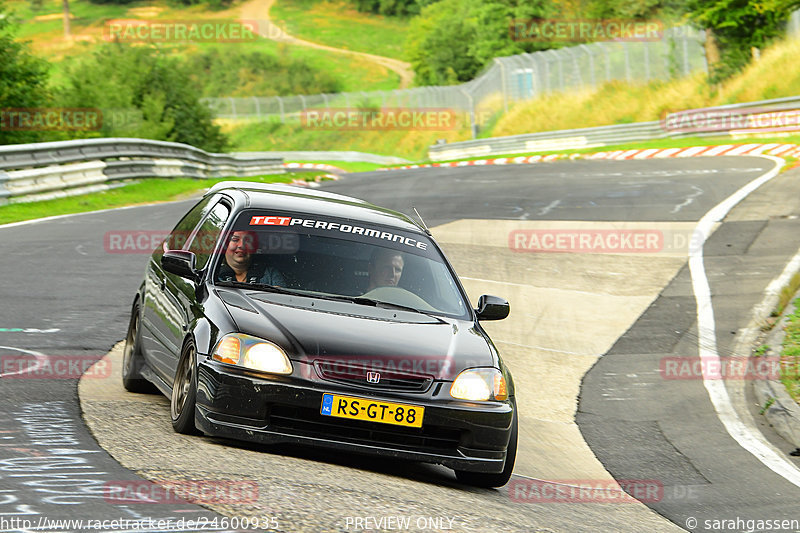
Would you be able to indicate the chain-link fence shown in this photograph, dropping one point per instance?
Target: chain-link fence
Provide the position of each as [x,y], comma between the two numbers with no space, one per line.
[506,80]
[793,28]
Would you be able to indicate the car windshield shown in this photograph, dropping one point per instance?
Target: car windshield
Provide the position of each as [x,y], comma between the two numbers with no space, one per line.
[335,258]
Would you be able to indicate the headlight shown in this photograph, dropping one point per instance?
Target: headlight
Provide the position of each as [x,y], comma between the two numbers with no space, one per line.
[480,384]
[251,352]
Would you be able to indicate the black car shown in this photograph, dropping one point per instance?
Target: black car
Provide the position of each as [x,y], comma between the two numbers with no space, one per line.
[276,314]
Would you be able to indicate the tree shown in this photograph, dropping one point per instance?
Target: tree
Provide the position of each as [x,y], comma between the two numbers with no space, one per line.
[737,27]
[23,80]
[142,93]
[452,40]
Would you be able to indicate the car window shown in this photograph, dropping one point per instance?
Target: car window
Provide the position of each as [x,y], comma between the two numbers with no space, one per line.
[180,235]
[342,258]
[205,238]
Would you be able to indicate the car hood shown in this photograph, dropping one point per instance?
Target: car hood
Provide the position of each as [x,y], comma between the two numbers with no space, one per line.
[316,331]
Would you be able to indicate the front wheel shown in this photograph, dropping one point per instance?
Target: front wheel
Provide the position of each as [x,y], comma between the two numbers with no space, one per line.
[481,479]
[184,392]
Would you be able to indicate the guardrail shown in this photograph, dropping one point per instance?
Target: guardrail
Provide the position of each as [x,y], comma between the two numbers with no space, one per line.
[350,156]
[40,171]
[595,137]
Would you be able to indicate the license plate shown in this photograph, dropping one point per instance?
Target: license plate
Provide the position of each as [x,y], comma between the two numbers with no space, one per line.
[398,414]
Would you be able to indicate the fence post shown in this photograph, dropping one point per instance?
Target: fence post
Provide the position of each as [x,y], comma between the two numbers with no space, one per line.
[471,104]
[258,107]
[280,106]
[686,68]
[233,107]
[503,83]
[627,61]
[591,64]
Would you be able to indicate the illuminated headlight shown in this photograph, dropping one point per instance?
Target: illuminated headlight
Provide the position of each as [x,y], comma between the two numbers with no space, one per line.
[253,353]
[480,384]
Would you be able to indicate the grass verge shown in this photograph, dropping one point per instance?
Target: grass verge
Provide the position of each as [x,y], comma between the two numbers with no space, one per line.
[337,23]
[138,192]
[643,145]
[349,166]
[43,28]
[790,354]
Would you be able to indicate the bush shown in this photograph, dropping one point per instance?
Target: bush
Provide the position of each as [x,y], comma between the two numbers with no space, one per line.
[23,80]
[452,40]
[142,93]
[242,73]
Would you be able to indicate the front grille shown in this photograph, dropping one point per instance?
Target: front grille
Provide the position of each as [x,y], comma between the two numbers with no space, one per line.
[357,375]
[310,422]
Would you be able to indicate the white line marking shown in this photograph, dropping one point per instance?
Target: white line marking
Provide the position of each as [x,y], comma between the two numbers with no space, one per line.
[529,286]
[689,199]
[59,217]
[549,207]
[547,349]
[749,439]
[40,358]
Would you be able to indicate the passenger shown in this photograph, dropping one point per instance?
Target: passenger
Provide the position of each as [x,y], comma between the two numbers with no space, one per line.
[385,268]
[238,264]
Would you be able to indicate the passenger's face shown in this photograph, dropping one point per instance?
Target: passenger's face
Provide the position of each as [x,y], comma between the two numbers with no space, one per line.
[387,271]
[240,246]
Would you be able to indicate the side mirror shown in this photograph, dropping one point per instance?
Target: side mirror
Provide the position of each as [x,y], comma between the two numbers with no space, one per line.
[181,263]
[492,308]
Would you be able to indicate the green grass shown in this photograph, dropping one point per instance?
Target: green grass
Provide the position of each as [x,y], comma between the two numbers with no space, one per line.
[790,355]
[46,37]
[349,166]
[256,136]
[641,145]
[337,23]
[139,192]
[786,295]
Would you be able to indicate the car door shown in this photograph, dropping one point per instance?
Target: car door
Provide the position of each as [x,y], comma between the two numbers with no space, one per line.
[165,308]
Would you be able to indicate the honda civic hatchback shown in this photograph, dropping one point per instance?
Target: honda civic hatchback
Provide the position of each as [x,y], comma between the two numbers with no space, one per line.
[274,314]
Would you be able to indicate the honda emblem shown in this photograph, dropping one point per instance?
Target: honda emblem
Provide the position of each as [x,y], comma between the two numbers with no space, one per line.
[373,377]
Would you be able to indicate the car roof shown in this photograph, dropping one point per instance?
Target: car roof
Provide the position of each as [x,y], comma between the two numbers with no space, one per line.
[312,201]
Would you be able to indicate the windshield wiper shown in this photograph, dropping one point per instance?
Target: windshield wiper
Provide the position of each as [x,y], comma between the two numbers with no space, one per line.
[262,287]
[360,300]
[387,305]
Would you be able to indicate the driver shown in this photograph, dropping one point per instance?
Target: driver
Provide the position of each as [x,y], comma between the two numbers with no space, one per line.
[385,268]
[238,264]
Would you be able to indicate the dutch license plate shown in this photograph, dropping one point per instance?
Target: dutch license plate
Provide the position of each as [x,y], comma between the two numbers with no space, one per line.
[399,414]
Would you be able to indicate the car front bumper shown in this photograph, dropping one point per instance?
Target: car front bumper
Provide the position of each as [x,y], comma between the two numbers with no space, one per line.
[467,436]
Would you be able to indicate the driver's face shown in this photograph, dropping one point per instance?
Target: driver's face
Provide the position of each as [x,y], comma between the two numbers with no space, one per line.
[388,269]
[239,249]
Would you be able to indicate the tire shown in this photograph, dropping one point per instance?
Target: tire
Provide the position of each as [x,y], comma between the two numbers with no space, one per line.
[184,392]
[132,359]
[481,479]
